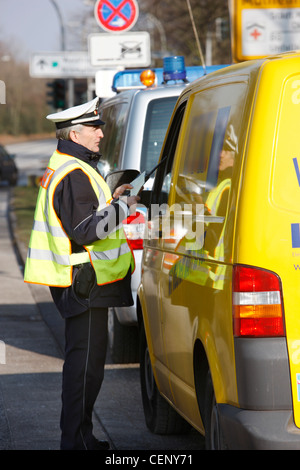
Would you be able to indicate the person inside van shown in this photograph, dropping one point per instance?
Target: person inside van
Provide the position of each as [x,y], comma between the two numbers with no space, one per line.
[217,200]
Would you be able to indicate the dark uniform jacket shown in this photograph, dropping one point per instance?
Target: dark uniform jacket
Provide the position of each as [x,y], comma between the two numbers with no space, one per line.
[75,204]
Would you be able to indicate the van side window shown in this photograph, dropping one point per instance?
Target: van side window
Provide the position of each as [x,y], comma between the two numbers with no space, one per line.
[200,166]
[161,187]
[114,118]
[207,156]
[216,148]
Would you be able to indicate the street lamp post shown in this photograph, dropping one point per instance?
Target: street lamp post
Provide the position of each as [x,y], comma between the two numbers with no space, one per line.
[62,27]
[63,48]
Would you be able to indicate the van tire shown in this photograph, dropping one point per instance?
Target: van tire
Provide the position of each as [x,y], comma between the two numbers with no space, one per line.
[160,417]
[123,340]
[213,433]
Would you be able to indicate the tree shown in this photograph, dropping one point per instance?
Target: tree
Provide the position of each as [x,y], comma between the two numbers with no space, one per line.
[25,108]
[175,20]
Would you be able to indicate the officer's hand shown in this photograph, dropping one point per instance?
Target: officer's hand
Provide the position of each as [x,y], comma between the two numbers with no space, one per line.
[121,189]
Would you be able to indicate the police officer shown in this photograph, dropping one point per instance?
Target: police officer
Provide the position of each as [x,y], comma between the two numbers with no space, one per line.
[78,248]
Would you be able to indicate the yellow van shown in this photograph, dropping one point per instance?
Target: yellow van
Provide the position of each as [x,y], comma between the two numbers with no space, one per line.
[219,299]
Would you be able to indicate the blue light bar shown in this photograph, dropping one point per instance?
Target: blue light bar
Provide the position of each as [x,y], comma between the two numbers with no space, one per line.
[128,79]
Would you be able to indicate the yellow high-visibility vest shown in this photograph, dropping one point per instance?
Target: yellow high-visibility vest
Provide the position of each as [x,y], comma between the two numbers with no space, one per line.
[50,259]
[213,202]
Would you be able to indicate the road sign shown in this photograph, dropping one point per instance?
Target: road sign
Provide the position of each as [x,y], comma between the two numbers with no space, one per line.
[127,50]
[66,64]
[260,31]
[116,16]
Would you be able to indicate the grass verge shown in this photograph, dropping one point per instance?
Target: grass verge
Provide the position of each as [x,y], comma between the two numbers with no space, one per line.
[23,202]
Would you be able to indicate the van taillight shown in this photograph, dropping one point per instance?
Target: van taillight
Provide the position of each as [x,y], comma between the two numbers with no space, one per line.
[257,304]
[134,227]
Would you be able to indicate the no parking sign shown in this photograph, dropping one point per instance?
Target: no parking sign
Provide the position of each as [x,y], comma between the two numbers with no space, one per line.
[116,16]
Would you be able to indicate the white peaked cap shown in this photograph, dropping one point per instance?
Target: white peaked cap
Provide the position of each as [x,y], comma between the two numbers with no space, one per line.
[86,114]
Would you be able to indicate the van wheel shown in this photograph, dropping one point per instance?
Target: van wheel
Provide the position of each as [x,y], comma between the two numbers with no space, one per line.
[123,340]
[213,433]
[160,417]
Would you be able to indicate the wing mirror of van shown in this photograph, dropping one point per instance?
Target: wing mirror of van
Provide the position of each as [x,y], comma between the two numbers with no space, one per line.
[119,177]
[115,179]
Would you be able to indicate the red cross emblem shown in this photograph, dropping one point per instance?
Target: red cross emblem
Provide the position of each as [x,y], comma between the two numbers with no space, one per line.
[255,34]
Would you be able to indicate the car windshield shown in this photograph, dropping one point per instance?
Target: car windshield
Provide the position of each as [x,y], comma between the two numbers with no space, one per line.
[157,119]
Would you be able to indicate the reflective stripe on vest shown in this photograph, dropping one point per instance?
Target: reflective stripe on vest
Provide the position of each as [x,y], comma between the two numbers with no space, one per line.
[49,259]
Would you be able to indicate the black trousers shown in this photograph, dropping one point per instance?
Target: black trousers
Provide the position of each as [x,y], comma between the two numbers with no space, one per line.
[83,371]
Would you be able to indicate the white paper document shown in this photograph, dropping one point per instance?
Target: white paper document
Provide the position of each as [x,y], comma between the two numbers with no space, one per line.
[137,184]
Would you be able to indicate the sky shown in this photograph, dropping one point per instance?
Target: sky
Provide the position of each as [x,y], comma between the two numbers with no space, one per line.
[32,26]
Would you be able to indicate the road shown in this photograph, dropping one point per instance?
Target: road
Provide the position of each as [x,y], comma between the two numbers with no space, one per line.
[118,410]
[31,157]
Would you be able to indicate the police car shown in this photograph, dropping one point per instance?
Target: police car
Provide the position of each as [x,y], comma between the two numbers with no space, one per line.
[136,121]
